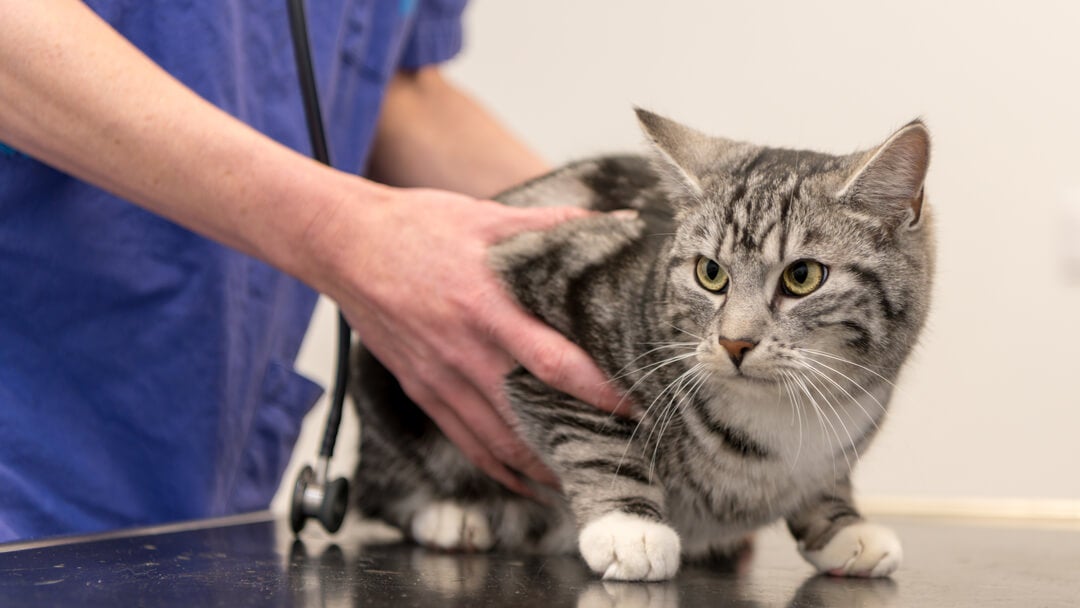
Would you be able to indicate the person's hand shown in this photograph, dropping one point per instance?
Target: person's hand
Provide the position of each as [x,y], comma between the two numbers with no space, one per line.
[414,282]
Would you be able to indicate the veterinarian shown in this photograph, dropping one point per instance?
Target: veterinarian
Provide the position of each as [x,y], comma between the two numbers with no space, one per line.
[163,237]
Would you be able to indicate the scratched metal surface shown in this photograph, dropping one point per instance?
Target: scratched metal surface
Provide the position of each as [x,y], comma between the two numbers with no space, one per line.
[254,561]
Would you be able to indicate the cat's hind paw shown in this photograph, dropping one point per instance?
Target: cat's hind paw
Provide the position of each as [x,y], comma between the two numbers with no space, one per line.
[450,526]
[624,547]
[862,549]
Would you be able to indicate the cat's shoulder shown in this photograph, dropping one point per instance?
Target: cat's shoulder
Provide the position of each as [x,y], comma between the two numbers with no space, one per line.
[571,246]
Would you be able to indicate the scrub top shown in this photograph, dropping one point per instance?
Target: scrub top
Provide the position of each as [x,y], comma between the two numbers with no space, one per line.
[146,373]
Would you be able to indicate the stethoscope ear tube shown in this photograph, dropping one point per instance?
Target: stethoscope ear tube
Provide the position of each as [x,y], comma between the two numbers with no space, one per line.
[314,495]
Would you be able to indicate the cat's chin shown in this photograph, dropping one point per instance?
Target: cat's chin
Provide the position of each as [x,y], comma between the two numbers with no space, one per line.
[745,379]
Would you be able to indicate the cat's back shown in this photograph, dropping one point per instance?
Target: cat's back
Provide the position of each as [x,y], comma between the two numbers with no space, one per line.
[605,183]
[592,263]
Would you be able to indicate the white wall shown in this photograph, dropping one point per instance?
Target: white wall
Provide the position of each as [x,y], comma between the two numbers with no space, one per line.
[989,407]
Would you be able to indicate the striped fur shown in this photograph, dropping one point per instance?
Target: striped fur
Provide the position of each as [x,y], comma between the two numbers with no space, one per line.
[719,449]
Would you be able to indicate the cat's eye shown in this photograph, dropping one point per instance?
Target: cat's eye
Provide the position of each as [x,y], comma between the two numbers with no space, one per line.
[803,277]
[711,275]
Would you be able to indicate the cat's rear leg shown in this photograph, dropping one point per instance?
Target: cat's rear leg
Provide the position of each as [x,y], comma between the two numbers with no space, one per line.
[451,518]
[452,526]
[398,487]
[413,478]
[409,475]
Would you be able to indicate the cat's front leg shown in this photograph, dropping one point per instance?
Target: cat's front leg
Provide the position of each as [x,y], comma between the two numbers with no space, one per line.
[612,490]
[837,540]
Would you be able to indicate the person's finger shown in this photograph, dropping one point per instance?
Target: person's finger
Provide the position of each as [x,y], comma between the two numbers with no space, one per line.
[542,218]
[447,418]
[487,424]
[485,368]
[491,424]
[558,362]
[483,430]
[534,218]
[472,447]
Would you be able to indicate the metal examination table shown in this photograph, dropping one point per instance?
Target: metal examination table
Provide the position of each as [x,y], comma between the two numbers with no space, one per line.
[253,560]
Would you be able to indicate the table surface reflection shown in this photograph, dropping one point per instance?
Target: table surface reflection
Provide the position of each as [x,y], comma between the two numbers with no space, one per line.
[255,561]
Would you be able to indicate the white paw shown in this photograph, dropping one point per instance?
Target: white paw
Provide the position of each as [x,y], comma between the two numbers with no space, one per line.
[862,549]
[448,525]
[626,547]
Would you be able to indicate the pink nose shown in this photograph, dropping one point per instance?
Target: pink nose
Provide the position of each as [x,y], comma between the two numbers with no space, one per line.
[737,349]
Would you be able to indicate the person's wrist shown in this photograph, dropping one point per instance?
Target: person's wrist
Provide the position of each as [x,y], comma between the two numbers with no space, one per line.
[329,248]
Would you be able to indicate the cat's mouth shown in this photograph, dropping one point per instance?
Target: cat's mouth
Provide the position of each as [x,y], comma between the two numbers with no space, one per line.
[741,375]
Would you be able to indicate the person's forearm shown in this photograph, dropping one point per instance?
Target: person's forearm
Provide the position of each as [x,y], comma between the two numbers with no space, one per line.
[409,268]
[76,95]
[431,134]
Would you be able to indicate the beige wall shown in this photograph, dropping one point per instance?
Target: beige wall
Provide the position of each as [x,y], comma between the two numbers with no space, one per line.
[990,406]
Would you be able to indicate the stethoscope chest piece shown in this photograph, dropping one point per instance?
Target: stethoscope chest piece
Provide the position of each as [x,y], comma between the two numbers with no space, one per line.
[323,500]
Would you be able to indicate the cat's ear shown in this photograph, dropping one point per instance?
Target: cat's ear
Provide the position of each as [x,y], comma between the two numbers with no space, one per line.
[689,154]
[888,181]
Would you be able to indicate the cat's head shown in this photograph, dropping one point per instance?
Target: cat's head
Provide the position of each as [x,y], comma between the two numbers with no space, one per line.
[795,264]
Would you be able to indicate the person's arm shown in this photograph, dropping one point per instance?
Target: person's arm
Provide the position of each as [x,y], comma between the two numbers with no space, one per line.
[76,95]
[432,134]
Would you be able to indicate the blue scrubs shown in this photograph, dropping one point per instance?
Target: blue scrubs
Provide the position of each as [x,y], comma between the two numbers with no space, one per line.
[146,373]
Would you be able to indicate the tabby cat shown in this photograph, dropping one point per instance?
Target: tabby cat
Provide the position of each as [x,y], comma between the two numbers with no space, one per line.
[757,311]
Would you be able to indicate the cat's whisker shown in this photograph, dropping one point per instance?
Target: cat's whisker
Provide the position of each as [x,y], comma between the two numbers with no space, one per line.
[655,368]
[846,377]
[812,380]
[836,398]
[673,389]
[694,387]
[803,380]
[645,414]
[859,405]
[797,395]
[655,365]
[621,374]
[800,411]
[664,413]
[817,373]
[780,387]
[659,427]
[662,343]
[799,389]
[796,410]
[840,413]
[704,376]
[677,328]
[848,361]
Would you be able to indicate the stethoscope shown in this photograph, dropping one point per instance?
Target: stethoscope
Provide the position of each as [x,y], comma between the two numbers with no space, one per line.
[314,495]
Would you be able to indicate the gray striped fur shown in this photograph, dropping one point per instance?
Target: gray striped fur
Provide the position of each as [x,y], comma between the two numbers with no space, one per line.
[718,451]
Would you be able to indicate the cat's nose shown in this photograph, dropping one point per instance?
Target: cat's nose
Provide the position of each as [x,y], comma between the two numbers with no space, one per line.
[737,349]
